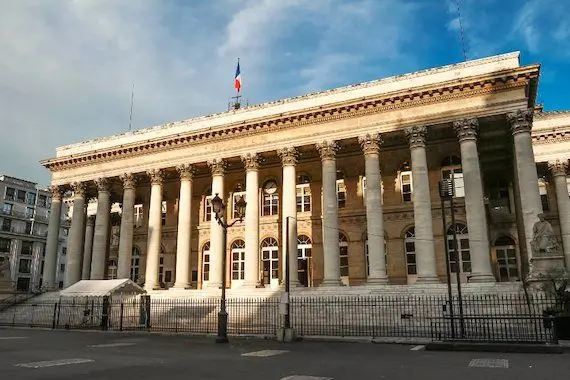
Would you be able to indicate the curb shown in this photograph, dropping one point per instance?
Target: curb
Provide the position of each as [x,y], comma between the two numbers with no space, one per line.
[496,347]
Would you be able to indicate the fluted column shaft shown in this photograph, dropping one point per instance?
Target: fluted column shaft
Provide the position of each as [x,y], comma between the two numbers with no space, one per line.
[481,267]
[217,248]
[289,213]
[327,151]
[88,247]
[101,234]
[183,241]
[425,244]
[252,258]
[531,206]
[75,245]
[127,225]
[49,278]
[374,214]
[558,169]
[154,230]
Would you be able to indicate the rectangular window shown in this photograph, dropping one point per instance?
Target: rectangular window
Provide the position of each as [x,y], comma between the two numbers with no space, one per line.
[10,194]
[42,200]
[6,225]
[29,212]
[21,196]
[25,266]
[270,204]
[341,193]
[208,209]
[303,198]
[236,197]
[7,208]
[112,270]
[5,245]
[23,284]
[28,228]
[458,183]
[343,259]
[138,215]
[31,199]
[163,208]
[63,251]
[543,195]
[62,267]
[238,264]
[27,248]
[406,183]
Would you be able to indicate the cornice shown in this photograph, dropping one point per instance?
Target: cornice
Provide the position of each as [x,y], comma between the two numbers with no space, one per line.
[551,137]
[500,81]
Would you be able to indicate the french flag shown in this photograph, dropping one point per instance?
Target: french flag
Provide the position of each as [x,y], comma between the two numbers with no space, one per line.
[237,80]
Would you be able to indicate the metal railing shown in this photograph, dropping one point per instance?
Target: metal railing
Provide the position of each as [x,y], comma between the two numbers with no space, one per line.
[486,318]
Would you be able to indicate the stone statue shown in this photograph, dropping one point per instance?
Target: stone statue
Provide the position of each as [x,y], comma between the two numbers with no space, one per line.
[544,240]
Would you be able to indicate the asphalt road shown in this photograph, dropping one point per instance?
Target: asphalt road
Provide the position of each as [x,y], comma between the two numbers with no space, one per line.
[38,354]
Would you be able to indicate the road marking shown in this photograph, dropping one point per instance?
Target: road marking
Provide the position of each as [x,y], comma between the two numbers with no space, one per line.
[107,345]
[417,348]
[264,353]
[303,377]
[12,337]
[489,363]
[53,363]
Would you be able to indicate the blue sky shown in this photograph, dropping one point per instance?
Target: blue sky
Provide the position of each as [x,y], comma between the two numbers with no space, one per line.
[67,66]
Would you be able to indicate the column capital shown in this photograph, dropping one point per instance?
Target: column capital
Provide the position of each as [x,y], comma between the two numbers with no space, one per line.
[79,189]
[327,149]
[289,155]
[56,192]
[217,166]
[466,129]
[102,184]
[129,180]
[370,143]
[250,161]
[558,167]
[186,171]
[156,176]
[521,120]
[417,136]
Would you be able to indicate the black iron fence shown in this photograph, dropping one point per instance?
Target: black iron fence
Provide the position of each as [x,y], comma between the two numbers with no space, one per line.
[499,317]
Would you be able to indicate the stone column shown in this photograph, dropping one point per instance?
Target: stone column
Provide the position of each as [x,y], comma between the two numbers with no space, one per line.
[183,242]
[481,267]
[127,226]
[423,220]
[327,151]
[521,124]
[558,169]
[52,242]
[88,247]
[154,230]
[252,259]
[75,243]
[374,214]
[101,234]
[289,213]
[217,249]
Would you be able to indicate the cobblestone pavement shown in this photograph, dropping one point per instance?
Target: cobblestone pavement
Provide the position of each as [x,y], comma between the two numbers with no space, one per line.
[43,354]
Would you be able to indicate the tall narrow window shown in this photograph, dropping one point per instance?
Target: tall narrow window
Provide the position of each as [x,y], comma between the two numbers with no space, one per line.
[164,209]
[451,169]
[238,260]
[270,198]
[340,189]
[303,194]
[236,197]
[135,265]
[270,258]
[461,255]
[406,184]
[343,248]
[112,269]
[304,246]
[206,262]
[543,194]
[410,250]
[208,208]
[138,215]
[506,259]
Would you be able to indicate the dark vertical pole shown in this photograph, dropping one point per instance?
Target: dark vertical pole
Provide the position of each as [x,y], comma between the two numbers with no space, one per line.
[146,299]
[287,321]
[121,313]
[457,258]
[105,313]
[223,314]
[54,315]
[447,268]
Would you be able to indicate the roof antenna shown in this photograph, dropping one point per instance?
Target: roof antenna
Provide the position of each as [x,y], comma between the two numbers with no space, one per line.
[461,31]
[132,101]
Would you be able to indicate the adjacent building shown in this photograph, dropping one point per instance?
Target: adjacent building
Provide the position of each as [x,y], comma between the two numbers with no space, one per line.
[24,217]
[344,181]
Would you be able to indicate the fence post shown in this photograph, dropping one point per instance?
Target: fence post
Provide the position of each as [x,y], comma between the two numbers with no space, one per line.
[121,313]
[54,315]
[105,313]
[145,311]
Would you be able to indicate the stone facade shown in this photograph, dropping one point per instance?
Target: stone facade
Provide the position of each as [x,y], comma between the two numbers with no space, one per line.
[308,162]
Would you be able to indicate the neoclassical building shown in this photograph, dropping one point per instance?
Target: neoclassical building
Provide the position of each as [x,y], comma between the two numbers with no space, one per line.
[353,172]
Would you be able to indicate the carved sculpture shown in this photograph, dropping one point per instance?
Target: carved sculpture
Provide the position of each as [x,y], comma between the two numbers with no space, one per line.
[544,240]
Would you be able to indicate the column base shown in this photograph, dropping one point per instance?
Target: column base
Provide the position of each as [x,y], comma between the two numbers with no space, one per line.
[428,280]
[212,285]
[152,287]
[182,286]
[251,285]
[479,278]
[330,283]
[377,281]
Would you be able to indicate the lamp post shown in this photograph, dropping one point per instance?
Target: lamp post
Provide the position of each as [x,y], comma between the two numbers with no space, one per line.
[218,208]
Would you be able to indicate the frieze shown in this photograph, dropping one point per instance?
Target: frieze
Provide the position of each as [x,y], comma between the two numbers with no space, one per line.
[360,108]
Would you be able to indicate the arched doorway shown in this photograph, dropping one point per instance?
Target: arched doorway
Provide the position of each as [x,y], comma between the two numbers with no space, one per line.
[238,262]
[459,258]
[304,246]
[205,262]
[270,262]
[410,252]
[506,251]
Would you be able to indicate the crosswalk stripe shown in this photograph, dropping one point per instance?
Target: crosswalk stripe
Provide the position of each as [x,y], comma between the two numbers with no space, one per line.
[264,353]
[108,345]
[53,363]
[417,348]
[303,377]
[12,337]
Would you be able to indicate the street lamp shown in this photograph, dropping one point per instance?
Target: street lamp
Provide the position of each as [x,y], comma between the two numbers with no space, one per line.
[218,209]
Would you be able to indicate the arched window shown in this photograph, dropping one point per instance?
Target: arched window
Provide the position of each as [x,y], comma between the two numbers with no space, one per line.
[135,264]
[304,246]
[270,258]
[451,168]
[206,262]
[410,250]
[406,185]
[340,189]
[343,247]
[505,247]
[464,255]
[303,194]
[238,260]
[208,204]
